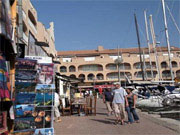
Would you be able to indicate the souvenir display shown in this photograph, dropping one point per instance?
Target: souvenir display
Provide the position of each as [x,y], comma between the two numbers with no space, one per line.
[24,110]
[24,124]
[43,117]
[44,99]
[25,64]
[26,75]
[45,87]
[25,98]
[44,131]
[25,94]
[34,102]
[45,74]
[25,86]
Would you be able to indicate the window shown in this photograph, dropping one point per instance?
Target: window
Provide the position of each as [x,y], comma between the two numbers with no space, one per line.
[63,69]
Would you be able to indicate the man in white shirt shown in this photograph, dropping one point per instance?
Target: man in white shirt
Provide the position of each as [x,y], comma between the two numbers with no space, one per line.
[56,105]
[119,101]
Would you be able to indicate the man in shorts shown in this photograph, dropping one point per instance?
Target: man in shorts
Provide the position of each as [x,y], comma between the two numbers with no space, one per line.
[119,102]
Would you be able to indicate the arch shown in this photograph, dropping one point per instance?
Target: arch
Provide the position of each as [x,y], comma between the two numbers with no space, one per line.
[114,75]
[111,66]
[148,65]
[100,76]
[148,74]
[164,64]
[63,69]
[128,74]
[82,76]
[72,69]
[137,65]
[166,74]
[32,18]
[125,66]
[90,67]
[174,64]
[178,73]
[91,76]
[73,76]
[138,74]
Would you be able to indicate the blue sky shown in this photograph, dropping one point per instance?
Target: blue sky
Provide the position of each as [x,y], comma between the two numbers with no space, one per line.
[85,24]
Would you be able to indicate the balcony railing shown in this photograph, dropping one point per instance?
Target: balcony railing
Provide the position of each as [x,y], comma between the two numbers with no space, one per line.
[32,26]
[63,70]
[100,78]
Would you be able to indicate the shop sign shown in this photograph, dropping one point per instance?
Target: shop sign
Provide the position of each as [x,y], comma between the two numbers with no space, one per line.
[103,86]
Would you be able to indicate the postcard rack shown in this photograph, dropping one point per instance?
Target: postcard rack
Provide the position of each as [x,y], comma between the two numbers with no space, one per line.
[34,97]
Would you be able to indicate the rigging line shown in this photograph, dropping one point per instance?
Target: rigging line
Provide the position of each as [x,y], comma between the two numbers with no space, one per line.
[173,19]
[172,5]
[141,31]
[157,13]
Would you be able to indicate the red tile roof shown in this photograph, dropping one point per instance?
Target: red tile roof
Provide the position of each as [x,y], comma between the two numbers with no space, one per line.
[111,51]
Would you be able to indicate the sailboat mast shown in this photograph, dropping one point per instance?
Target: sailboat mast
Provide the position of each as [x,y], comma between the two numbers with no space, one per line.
[139,45]
[144,64]
[148,43]
[119,74]
[154,45]
[167,39]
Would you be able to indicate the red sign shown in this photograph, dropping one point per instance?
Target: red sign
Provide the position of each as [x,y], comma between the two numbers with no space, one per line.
[103,86]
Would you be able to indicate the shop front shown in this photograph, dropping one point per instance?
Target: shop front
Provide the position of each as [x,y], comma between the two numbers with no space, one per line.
[7,60]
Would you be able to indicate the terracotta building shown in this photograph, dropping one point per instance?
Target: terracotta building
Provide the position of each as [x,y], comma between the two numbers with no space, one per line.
[99,66]
[34,38]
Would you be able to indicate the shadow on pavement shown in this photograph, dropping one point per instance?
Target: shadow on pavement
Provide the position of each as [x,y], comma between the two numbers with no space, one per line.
[110,119]
[102,121]
[101,113]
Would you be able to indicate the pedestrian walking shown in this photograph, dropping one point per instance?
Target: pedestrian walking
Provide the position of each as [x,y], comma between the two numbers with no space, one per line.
[119,102]
[107,99]
[131,111]
[56,106]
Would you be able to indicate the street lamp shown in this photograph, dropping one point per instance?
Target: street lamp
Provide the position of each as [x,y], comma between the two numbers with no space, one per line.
[118,61]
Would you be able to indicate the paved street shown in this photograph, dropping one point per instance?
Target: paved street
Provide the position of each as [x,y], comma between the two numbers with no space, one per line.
[101,124]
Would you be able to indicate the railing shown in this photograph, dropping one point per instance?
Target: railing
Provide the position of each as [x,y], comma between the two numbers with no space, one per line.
[72,70]
[90,78]
[63,70]
[100,78]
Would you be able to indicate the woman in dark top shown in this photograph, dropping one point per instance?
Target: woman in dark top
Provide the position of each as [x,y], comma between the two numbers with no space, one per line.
[131,111]
[107,98]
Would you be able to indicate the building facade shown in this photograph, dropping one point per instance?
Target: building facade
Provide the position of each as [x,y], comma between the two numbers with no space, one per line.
[99,65]
[33,37]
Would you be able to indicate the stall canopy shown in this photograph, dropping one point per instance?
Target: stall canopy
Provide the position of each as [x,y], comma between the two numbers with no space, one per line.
[68,78]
